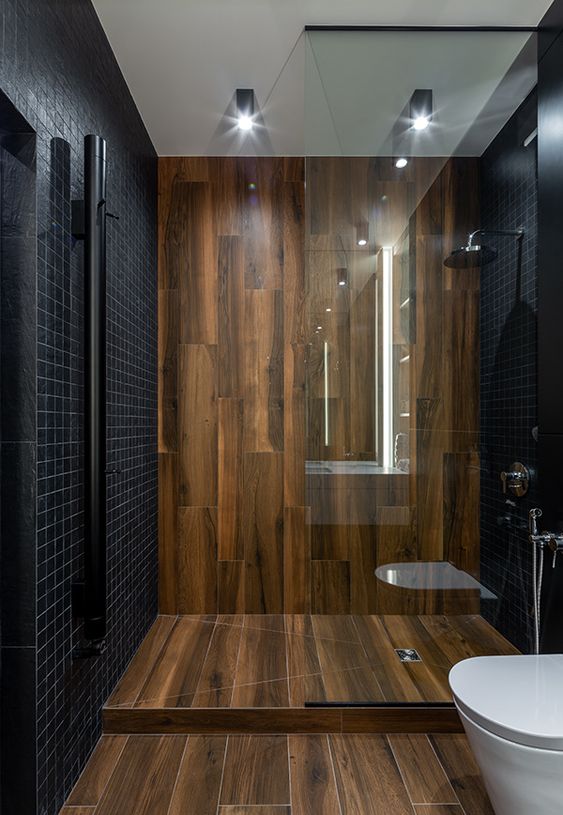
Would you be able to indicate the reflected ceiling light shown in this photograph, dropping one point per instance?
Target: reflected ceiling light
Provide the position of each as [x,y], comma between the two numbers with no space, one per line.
[401,163]
[421,108]
[362,233]
[328,309]
[245,108]
[342,276]
[319,328]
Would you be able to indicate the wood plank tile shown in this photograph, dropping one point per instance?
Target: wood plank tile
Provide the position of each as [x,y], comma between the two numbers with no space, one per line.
[363,562]
[144,778]
[401,720]
[230,542]
[130,684]
[167,532]
[261,677]
[422,773]
[263,384]
[462,770]
[313,786]
[262,223]
[297,560]
[199,777]
[256,771]
[295,339]
[331,587]
[175,675]
[368,780]
[304,668]
[89,788]
[215,687]
[263,532]
[461,511]
[395,682]
[77,810]
[198,425]
[227,175]
[255,810]
[198,273]
[293,168]
[249,721]
[230,586]
[273,622]
[231,316]
[431,675]
[168,337]
[433,809]
[173,212]
[347,676]
[197,560]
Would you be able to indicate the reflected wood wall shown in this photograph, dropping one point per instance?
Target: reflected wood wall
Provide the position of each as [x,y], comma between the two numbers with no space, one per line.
[246,268]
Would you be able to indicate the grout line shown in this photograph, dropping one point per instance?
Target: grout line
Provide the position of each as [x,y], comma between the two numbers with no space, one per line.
[178,774]
[222,774]
[333,765]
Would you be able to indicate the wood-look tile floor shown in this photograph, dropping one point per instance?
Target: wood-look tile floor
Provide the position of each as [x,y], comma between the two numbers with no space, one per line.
[280,775]
[280,661]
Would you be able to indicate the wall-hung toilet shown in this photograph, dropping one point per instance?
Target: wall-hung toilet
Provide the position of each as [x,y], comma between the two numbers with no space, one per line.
[512,711]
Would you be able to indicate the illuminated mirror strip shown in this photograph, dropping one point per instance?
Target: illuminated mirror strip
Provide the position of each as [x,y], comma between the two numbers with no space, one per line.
[387,356]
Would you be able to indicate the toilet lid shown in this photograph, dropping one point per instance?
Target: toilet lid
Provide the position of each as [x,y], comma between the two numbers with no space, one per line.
[518,698]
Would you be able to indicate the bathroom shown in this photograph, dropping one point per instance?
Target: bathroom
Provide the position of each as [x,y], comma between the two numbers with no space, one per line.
[280,439]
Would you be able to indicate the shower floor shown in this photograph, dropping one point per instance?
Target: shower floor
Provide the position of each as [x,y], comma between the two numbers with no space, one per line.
[269,662]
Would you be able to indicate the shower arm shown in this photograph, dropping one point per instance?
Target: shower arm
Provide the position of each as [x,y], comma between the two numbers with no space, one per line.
[514,233]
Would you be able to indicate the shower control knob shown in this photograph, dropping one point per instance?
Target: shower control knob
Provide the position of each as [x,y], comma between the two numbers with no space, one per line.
[517,479]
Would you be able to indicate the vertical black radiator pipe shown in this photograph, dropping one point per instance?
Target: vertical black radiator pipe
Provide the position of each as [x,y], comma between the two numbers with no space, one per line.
[95,388]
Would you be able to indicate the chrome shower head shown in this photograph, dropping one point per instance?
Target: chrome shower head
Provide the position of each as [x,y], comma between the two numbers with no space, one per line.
[477,254]
[470,256]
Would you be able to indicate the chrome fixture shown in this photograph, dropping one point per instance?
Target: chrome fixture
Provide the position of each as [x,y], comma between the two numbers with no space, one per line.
[476,253]
[517,479]
[544,540]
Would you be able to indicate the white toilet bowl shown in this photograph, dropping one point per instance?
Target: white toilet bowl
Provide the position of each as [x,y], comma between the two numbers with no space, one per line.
[512,711]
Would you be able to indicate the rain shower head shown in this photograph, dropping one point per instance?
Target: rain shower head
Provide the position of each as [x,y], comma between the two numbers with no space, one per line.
[468,257]
[476,254]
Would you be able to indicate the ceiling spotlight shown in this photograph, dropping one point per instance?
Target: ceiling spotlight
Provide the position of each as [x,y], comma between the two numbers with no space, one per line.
[421,108]
[328,310]
[245,108]
[319,328]
[401,163]
[421,123]
[362,233]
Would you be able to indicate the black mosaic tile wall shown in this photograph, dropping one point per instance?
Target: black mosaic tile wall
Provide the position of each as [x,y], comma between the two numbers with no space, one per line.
[509,373]
[58,69]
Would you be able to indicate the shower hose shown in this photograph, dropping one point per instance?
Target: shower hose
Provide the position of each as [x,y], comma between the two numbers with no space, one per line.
[537,580]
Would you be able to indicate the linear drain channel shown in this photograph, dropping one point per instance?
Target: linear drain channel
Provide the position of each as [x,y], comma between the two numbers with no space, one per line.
[408,654]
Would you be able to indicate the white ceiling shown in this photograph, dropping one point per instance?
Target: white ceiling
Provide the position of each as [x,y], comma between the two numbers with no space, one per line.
[183,59]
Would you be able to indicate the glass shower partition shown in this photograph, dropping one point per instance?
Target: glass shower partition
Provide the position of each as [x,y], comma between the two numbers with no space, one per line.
[396,125]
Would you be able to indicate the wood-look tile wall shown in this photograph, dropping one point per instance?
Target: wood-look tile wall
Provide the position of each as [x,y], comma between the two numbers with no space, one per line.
[234,531]
[247,268]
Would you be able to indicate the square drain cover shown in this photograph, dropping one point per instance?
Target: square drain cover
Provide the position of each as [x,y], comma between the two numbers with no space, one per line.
[408,655]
